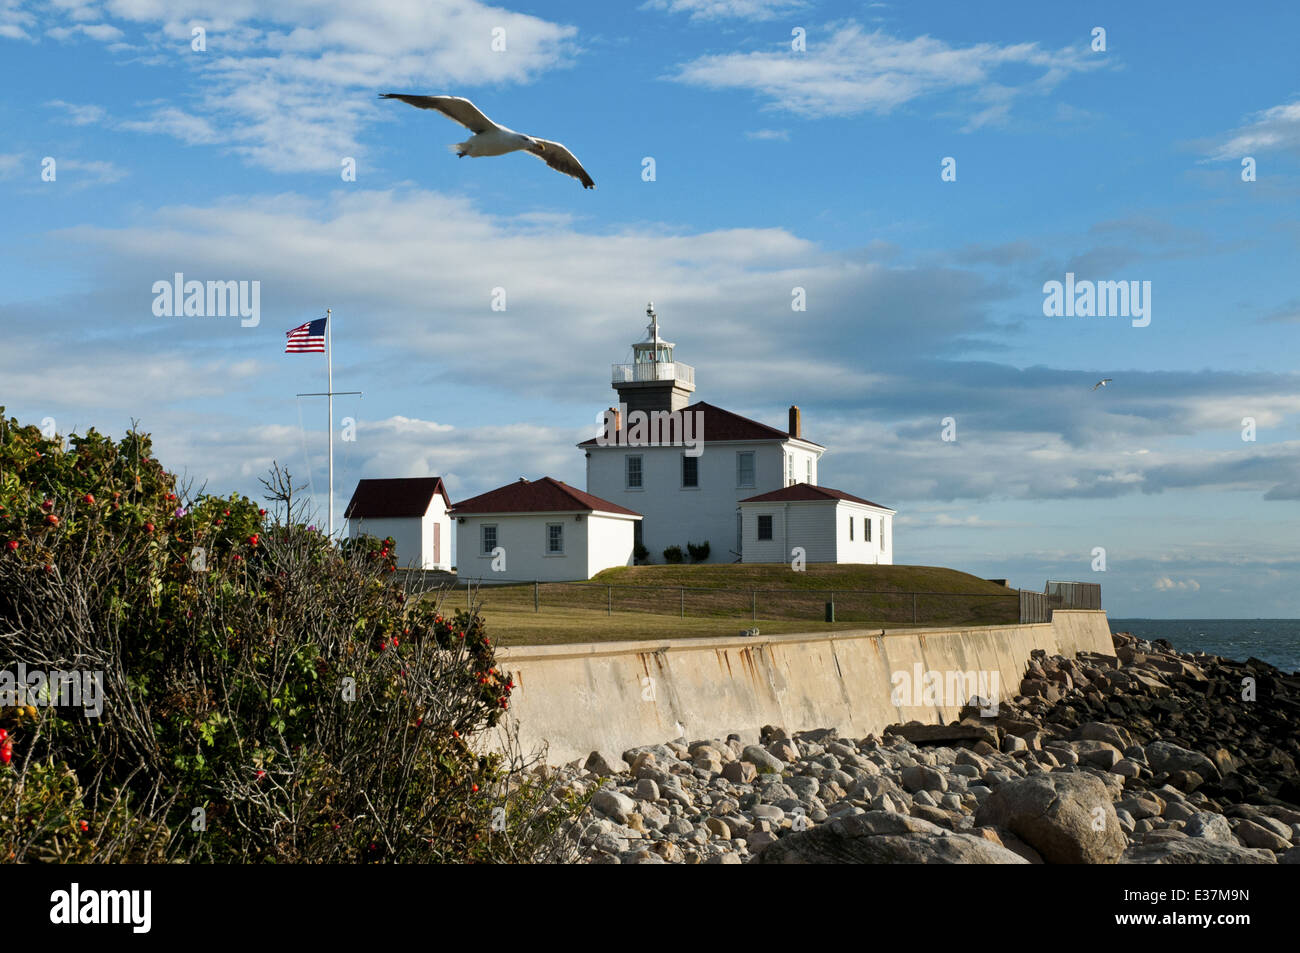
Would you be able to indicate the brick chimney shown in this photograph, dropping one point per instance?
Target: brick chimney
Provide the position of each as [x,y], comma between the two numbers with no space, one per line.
[796,427]
[613,423]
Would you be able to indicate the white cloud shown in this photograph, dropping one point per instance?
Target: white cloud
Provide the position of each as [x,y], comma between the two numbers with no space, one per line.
[728,9]
[1165,584]
[80,114]
[291,86]
[777,135]
[1272,130]
[10,162]
[847,71]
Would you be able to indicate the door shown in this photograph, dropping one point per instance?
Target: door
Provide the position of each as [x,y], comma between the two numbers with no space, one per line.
[437,544]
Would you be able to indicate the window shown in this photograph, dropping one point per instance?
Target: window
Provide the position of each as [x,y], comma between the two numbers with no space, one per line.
[555,539]
[810,479]
[745,468]
[866,529]
[850,529]
[489,535]
[636,533]
[740,532]
[690,471]
[634,481]
[789,469]
[765,527]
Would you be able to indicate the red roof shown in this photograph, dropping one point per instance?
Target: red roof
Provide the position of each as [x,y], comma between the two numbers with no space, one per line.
[806,492]
[539,496]
[719,425]
[403,496]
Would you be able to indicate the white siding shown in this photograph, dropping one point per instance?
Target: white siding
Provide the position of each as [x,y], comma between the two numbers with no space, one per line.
[675,515]
[820,527]
[412,536]
[591,544]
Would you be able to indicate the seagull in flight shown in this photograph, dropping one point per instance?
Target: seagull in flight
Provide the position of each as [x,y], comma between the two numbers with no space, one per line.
[1102,383]
[490,139]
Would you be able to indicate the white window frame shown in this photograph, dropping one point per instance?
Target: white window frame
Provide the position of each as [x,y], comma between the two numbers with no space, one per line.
[753,465]
[810,466]
[484,549]
[548,551]
[627,471]
[850,527]
[866,532]
[789,469]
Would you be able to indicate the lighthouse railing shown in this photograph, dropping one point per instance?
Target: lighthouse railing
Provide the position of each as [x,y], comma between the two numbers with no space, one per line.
[661,371]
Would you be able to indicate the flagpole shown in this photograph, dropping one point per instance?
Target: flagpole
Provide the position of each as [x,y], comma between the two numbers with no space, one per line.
[329,372]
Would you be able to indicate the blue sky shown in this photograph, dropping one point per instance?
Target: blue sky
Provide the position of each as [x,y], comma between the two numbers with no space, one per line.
[775,168]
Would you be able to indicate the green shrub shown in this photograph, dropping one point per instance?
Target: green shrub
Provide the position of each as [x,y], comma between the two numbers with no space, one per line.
[698,553]
[269,696]
[673,554]
[640,554]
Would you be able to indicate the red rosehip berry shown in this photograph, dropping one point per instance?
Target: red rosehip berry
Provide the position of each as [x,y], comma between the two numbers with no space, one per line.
[148,527]
[261,512]
[88,499]
[6,753]
[52,519]
[12,545]
[474,788]
[252,540]
[84,826]
[260,774]
[4,736]
[225,512]
[47,505]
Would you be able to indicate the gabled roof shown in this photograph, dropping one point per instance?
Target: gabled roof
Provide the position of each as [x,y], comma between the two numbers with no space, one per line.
[402,496]
[538,496]
[807,493]
[719,425]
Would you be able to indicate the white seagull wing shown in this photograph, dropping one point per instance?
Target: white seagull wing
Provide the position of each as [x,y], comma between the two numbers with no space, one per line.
[561,160]
[453,107]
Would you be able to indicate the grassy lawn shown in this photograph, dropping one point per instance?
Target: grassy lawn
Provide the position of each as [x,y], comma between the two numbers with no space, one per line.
[513,626]
[719,600]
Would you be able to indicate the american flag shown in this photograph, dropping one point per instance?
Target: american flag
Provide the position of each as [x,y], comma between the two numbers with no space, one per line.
[306,338]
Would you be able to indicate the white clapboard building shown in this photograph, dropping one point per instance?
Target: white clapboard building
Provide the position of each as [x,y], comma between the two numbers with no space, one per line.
[541,530]
[694,472]
[412,510]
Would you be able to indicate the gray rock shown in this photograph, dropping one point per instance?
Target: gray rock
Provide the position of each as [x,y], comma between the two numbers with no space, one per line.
[613,804]
[1054,814]
[1207,825]
[762,760]
[921,778]
[1193,850]
[881,838]
[1255,835]
[601,764]
[646,790]
[1166,757]
[768,812]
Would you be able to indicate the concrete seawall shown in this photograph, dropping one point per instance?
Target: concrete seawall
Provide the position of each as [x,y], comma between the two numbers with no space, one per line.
[611,696]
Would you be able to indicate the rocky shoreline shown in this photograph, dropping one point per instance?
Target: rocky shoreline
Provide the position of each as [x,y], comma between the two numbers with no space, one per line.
[1149,757]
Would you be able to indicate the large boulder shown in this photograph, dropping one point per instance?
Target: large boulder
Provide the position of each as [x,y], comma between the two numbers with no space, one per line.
[879,837]
[1066,816]
[1195,850]
[762,760]
[1167,757]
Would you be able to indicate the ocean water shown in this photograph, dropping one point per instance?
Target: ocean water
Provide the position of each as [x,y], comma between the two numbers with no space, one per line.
[1276,641]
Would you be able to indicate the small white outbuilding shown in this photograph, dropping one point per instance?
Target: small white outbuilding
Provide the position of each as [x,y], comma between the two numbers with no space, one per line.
[541,530]
[831,526]
[412,510]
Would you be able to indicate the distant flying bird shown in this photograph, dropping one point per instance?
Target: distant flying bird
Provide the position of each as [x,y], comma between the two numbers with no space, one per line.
[489,139]
[1102,383]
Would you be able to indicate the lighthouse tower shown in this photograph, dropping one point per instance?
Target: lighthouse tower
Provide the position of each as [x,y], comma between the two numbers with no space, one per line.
[654,380]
